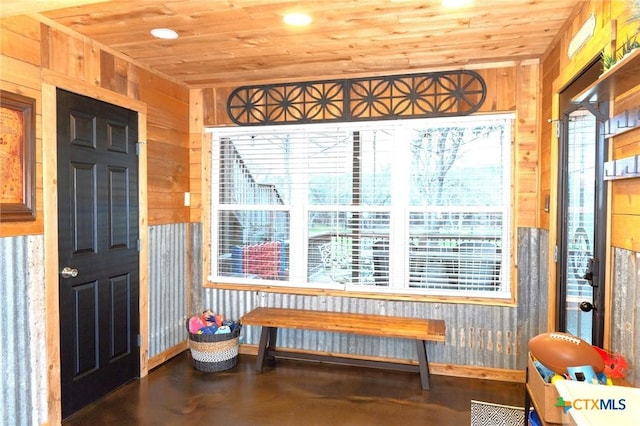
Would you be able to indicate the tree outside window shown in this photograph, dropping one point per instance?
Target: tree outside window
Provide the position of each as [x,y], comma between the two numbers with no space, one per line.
[411,206]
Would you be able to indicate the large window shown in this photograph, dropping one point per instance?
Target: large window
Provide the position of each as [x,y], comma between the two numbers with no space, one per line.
[413,206]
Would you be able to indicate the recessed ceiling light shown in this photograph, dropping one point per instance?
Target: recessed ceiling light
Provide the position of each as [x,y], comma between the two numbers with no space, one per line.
[164,33]
[297,19]
[456,3]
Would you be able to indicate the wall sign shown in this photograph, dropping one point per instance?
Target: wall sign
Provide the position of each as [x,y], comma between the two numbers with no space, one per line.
[17,157]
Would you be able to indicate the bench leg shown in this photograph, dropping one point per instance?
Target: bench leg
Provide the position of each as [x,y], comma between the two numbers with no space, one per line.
[423,364]
[273,335]
[268,338]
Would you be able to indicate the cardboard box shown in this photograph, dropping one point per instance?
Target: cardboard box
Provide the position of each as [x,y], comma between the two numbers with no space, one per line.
[543,395]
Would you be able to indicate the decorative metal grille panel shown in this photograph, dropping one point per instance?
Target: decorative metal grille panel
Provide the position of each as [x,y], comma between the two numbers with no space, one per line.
[438,94]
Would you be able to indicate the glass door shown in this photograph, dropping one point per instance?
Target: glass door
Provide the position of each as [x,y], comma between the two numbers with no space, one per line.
[580,218]
[581,222]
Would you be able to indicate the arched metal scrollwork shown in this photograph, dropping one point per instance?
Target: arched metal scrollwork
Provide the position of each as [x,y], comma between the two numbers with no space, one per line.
[438,94]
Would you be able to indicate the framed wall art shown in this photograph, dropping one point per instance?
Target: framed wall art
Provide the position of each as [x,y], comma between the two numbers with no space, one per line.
[17,157]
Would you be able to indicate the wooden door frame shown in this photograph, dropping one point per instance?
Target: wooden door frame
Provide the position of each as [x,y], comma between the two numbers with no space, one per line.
[50,82]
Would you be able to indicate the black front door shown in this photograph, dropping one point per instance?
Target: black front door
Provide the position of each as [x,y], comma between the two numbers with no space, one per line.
[98,248]
[582,214]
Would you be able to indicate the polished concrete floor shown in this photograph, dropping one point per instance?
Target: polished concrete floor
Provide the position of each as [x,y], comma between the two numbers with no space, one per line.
[292,393]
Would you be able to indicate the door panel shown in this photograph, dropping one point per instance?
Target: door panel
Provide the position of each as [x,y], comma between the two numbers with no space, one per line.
[98,243]
[83,215]
[118,209]
[120,330]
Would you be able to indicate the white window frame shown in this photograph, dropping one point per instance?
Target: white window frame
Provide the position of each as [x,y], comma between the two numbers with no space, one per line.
[399,231]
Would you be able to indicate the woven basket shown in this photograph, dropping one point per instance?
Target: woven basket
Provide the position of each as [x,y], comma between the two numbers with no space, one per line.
[214,352]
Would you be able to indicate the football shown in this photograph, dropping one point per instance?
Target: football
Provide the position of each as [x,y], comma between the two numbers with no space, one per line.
[557,351]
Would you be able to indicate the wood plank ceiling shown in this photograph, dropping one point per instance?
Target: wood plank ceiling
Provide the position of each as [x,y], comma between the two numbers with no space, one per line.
[240,42]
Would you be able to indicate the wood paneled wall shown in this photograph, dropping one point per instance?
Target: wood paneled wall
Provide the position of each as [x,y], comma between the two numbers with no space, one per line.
[625,193]
[612,28]
[30,47]
[168,148]
[510,88]
[20,73]
[558,70]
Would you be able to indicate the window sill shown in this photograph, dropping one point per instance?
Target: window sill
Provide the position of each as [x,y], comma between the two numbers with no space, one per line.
[311,291]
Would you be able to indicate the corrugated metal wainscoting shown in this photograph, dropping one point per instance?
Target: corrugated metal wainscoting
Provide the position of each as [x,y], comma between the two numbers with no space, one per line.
[23,373]
[625,317]
[477,335]
[533,285]
[197,290]
[168,286]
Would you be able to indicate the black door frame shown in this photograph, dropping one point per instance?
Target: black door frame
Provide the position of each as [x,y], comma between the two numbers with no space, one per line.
[600,111]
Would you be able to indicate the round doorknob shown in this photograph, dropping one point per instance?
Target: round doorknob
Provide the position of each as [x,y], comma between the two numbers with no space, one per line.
[587,307]
[68,272]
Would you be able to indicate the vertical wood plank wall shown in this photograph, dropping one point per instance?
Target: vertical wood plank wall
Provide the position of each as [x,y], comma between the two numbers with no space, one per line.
[20,73]
[29,46]
[625,193]
[557,72]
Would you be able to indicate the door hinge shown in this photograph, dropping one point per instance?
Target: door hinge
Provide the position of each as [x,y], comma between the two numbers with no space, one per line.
[139,340]
[138,244]
[555,254]
[138,145]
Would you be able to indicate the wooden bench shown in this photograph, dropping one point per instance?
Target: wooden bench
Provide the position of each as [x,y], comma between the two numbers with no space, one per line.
[420,330]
